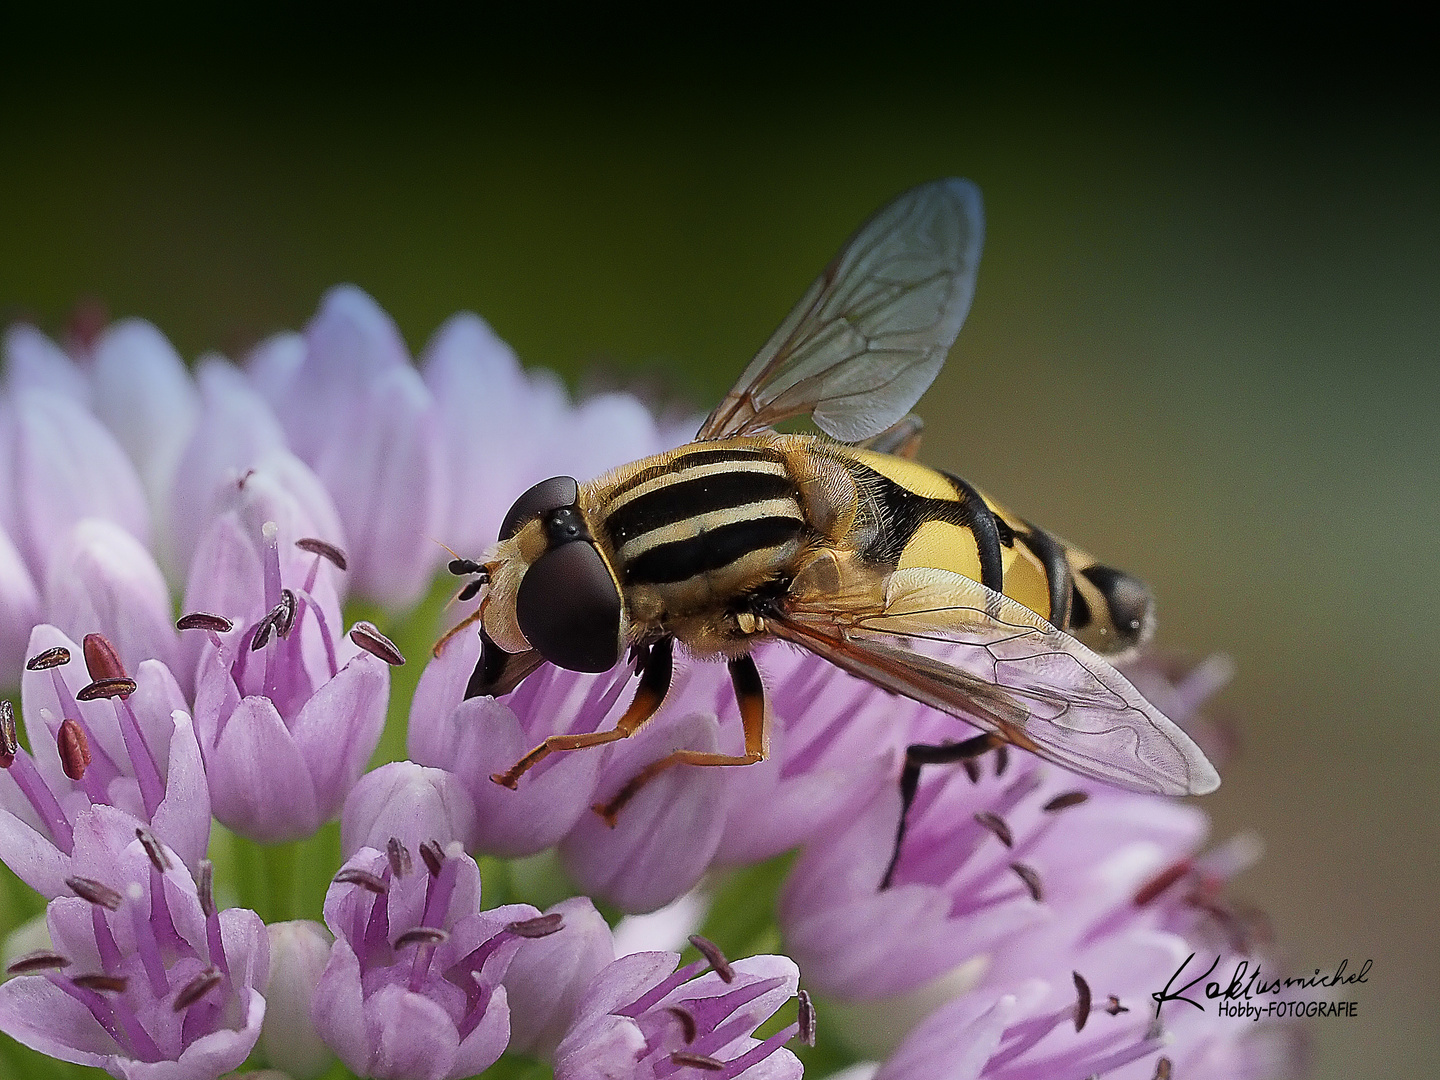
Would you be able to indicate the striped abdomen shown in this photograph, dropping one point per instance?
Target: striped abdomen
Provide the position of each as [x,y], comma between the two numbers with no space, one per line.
[922,517]
[702,522]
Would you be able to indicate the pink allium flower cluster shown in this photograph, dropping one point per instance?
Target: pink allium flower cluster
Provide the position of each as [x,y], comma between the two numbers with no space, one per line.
[266,496]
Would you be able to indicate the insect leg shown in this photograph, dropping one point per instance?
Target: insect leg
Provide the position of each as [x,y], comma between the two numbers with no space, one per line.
[655,672]
[919,754]
[469,620]
[750,696]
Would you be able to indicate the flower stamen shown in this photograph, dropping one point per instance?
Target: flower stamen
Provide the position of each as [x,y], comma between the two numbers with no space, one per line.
[74,750]
[399,857]
[325,550]
[996,824]
[714,957]
[353,875]
[1062,802]
[369,638]
[1031,877]
[52,657]
[197,988]
[698,1061]
[97,893]
[41,960]
[806,1019]
[1082,1005]
[541,926]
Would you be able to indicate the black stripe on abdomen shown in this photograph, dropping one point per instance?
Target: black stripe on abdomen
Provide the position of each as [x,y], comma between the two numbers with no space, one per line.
[694,458]
[1058,578]
[984,525]
[674,502]
[678,560]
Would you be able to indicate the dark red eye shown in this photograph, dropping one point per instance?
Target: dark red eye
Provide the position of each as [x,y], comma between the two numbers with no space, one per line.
[545,496]
[568,608]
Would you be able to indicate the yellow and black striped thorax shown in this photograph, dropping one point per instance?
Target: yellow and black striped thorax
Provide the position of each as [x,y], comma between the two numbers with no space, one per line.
[709,518]
[916,516]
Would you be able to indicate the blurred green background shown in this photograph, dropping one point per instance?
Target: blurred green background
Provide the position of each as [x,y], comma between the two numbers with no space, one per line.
[1204,344]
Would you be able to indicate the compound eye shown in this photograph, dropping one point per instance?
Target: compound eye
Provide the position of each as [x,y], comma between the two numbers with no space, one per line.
[545,496]
[568,608]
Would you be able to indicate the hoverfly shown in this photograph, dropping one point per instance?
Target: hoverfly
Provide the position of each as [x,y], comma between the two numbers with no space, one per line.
[839,543]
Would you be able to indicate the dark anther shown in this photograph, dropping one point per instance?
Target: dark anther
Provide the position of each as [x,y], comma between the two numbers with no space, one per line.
[714,957]
[48,659]
[996,824]
[1062,802]
[1114,1008]
[112,984]
[44,960]
[9,737]
[433,856]
[324,550]
[1162,1069]
[1082,1005]
[421,935]
[699,1061]
[203,620]
[106,688]
[399,856]
[972,769]
[1161,881]
[471,590]
[1031,878]
[205,887]
[101,659]
[1002,759]
[687,1022]
[375,643]
[541,926]
[806,1018]
[263,630]
[353,875]
[285,613]
[197,988]
[99,894]
[74,749]
[154,851]
[464,567]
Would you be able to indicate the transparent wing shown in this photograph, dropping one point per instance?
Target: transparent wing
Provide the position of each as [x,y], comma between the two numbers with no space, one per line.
[871,334]
[957,646]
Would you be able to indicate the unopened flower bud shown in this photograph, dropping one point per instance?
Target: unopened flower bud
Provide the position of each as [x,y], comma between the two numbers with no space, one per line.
[298,952]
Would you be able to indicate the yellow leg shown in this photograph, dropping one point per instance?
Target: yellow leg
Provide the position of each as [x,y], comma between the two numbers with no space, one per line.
[469,620]
[750,696]
[654,685]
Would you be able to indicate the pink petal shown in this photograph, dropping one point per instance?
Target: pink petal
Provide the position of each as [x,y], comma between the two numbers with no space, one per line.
[486,738]
[410,1036]
[68,467]
[259,785]
[409,802]
[102,580]
[33,361]
[19,611]
[666,836]
[338,1008]
[338,728]
[235,431]
[45,1018]
[182,819]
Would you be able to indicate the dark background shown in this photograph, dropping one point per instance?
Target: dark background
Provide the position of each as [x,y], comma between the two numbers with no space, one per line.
[1204,344]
